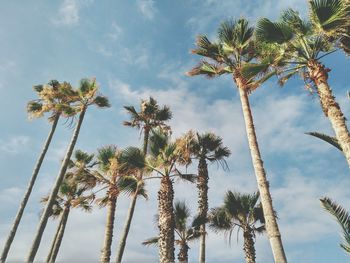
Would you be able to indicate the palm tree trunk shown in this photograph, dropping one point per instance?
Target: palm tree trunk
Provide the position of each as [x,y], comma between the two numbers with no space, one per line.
[183,253]
[24,202]
[126,229]
[166,221]
[54,242]
[62,228]
[318,73]
[130,215]
[248,246]
[202,185]
[56,187]
[106,250]
[263,185]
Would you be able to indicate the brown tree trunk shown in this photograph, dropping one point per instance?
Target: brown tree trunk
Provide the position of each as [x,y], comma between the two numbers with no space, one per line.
[25,199]
[318,73]
[166,221]
[272,230]
[54,192]
[106,250]
[183,253]
[248,247]
[202,185]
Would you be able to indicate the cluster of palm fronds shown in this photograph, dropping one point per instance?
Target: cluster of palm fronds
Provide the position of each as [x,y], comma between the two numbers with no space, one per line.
[251,55]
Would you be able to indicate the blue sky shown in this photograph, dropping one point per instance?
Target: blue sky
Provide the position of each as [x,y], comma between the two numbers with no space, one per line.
[140,48]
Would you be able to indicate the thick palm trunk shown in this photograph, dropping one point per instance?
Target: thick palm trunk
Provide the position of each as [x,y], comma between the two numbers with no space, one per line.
[166,221]
[24,202]
[107,243]
[130,215]
[202,185]
[62,228]
[183,253]
[272,230]
[248,247]
[54,192]
[318,73]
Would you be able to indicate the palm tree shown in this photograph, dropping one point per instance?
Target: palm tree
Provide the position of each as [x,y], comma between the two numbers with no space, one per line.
[240,211]
[332,19]
[301,48]
[150,116]
[206,147]
[77,181]
[85,96]
[343,218]
[235,54]
[163,159]
[54,98]
[184,233]
[117,178]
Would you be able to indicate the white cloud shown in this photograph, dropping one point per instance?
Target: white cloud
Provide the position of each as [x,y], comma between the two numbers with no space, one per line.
[115,32]
[147,8]
[68,13]
[15,144]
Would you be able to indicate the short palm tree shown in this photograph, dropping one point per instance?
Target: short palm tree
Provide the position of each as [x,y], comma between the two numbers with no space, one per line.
[150,116]
[301,48]
[332,19]
[54,98]
[342,217]
[73,194]
[241,211]
[236,54]
[206,147]
[82,98]
[184,232]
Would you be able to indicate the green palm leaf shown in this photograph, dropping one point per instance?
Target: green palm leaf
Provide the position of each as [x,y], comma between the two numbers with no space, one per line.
[331,140]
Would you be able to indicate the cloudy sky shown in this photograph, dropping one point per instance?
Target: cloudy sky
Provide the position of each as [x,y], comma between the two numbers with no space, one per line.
[140,48]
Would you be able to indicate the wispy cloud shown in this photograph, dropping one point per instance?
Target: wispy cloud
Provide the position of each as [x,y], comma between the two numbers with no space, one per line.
[147,8]
[115,32]
[68,13]
[15,144]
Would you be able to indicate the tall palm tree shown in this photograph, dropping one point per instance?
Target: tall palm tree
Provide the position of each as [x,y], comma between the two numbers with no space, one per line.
[206,147]
[235,54]
[301,48]
[332,19]
[114,175]
[85,96]
[342,217]
[78,180]
[163,160]
[150,116]
[240,211]
[54,98]
[184,232]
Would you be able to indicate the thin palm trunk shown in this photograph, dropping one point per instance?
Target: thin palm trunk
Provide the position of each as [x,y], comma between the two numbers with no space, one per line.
[58,241]
[166,221]
[202,185]
[54,192]
[52,247]
[330,107]
[183,253]
[106,250]
[25,199]
[263,185]
[130,215]
[248,246]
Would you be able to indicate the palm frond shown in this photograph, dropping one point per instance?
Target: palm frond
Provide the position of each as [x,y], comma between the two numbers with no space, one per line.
[151,241]
[271,32]
[331,140]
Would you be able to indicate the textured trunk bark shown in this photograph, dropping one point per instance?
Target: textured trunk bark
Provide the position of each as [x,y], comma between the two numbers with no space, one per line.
[202,185]
[272,230]
[62,228]
[248,247]
[52,247]
[106,250]
[24,202]
[125,233]
[130,215]
[318,73]
[54,192]
[183,253]
[166,221]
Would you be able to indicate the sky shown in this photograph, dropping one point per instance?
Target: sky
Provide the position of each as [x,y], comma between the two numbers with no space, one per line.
[137,49]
